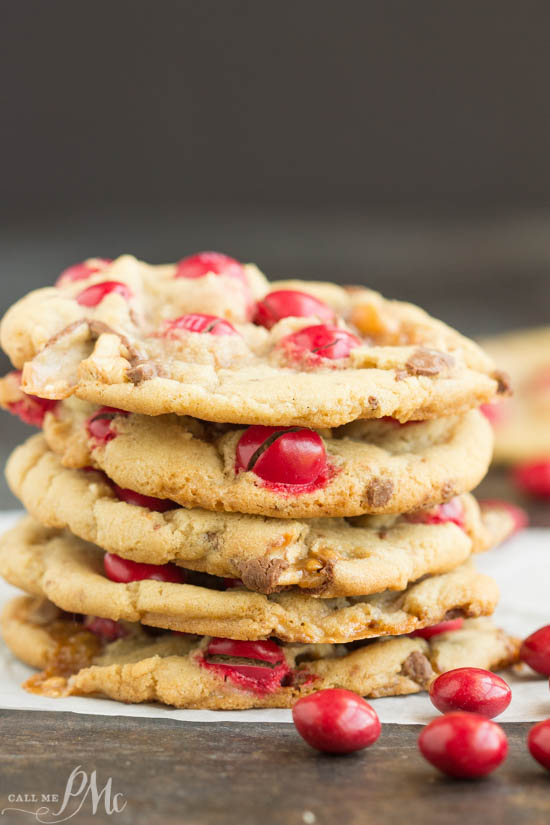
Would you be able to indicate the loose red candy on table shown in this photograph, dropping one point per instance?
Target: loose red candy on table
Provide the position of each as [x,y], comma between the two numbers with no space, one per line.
[463,745]
[437,629]
[538,742]
[336,721]
[197,322]
[534,478]
[93,295]
[285,303]
[158,505]
[320,341]
[471,689]
[81,271]
[203,263]
[283,455]
[123,570]
[450,511]
[99,424]
[107,629]
[535,650]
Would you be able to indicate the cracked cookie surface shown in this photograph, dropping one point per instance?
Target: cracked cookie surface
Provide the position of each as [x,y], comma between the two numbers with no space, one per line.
[331,557]
[379,358]
[375,467]
[69,572]
[171,668]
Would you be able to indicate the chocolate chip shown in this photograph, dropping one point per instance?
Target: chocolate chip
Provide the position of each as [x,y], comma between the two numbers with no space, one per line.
[261,575]
[504,385]
[454,613]
[418,668]
[65,331]
[98,328]
[142,371]
[327,572]
[429,362]
[378,492]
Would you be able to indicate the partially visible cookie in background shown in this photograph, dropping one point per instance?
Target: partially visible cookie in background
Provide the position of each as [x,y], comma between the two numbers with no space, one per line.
[522,422]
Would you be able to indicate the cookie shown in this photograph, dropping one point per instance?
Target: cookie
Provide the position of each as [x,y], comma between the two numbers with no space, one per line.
[365,467]
[190,672]
[330,557]
[522,423]
[70,573]
[155,340]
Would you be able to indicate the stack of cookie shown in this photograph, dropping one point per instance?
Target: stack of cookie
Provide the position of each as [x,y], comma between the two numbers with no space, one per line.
[244,492]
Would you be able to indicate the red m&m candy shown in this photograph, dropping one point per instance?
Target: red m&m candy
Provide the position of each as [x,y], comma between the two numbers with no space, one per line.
[313,344]
[93,295]
[158,505]
[199,323]
[535,650]
[99,425]
[105,628]
[437,629]
[538,742]
[283,455]
[471,689]
[123,570]
[29,408]
[450,511]
[83,270]
[204,263]
[533,477]
[336,721]
[284,303]
[463,745]
[252,674]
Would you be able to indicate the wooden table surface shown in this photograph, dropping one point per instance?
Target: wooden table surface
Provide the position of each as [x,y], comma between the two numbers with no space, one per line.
[199,774]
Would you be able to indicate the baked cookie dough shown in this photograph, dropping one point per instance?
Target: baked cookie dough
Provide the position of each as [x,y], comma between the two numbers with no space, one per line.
[67,571]
[522,423]
[329,557]
[190,672]
[118,345]
[366,467]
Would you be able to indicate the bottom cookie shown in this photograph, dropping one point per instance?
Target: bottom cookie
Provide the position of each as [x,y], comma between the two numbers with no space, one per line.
[203,672]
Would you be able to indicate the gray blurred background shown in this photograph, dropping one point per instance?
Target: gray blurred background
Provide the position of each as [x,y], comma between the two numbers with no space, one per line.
[395,143]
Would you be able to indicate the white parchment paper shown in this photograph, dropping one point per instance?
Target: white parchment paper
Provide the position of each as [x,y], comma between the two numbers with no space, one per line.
[521,567]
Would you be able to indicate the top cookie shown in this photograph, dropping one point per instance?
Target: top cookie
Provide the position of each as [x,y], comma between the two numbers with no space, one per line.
[522,423]
[213,339]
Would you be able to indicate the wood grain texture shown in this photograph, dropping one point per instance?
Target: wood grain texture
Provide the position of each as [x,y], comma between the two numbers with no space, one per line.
[236,774]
